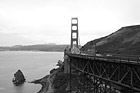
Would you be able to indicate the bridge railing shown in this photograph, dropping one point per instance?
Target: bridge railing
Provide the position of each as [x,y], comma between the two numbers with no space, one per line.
[118,59]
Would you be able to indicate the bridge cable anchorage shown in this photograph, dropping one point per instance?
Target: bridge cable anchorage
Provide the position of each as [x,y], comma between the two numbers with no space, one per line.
[74,49]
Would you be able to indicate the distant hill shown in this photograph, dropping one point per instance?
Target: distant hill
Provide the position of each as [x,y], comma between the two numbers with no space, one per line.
[38,47]
[124,41]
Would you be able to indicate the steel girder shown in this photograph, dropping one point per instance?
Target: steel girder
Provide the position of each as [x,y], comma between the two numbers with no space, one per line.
[107,76]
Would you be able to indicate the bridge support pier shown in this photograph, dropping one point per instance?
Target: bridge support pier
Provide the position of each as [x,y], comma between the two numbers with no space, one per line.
[66,64]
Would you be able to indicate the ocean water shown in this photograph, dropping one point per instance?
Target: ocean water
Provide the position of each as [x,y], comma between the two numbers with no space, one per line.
[34,65]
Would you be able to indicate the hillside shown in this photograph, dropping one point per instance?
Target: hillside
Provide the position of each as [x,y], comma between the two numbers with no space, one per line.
[124,41]
[38,47]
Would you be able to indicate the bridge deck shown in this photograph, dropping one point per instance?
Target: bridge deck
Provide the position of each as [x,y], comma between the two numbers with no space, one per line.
[114,59]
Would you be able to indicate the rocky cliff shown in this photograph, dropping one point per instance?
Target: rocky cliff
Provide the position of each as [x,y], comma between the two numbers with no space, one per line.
[124,41]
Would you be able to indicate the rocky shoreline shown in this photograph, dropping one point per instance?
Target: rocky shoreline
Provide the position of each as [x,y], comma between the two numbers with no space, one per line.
[59,82]
[50,82]
[44,82]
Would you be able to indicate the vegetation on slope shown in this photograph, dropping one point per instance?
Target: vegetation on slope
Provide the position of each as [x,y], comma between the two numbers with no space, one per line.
[124,41]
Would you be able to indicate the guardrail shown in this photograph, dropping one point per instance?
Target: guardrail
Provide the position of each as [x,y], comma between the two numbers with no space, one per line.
[118,59]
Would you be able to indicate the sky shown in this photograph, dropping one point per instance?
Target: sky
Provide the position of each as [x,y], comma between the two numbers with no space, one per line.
[27,22]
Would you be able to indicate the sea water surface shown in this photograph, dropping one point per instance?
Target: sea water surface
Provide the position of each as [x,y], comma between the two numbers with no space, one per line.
[34,65]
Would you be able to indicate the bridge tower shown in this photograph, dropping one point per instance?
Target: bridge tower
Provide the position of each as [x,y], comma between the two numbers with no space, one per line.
[74,32]
[74,36]
[74,47]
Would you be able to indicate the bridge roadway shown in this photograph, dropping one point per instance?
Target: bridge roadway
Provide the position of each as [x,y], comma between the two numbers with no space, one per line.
[127,60]
[110,74]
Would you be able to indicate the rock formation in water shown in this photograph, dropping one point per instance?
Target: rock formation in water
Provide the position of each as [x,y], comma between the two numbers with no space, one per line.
[18,78]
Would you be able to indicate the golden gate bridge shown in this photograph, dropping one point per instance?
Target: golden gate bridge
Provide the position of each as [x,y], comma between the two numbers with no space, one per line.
[107,74]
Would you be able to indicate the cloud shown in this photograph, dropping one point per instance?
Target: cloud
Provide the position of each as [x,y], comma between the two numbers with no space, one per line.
[50,20]
[10,39]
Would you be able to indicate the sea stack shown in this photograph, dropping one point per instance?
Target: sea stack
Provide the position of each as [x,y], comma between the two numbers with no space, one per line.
[18,78]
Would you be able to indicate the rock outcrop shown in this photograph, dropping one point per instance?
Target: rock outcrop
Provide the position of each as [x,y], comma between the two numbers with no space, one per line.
[18,78]
[48,82]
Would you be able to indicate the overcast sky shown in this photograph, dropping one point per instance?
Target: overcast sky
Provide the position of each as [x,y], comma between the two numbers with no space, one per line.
[49,21]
